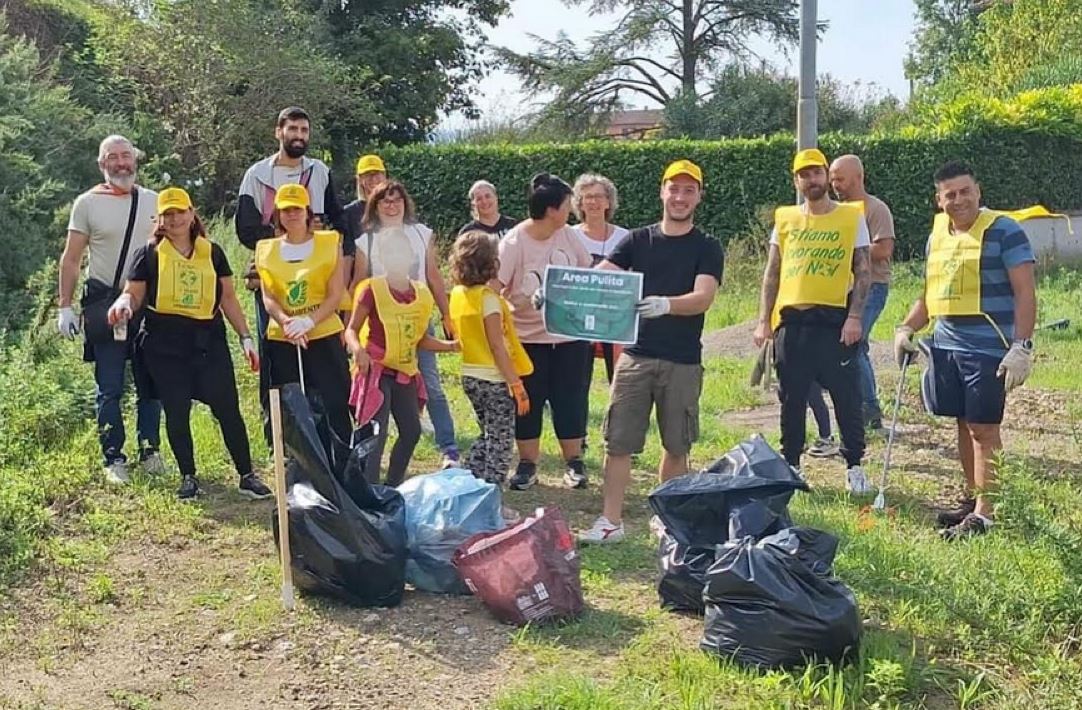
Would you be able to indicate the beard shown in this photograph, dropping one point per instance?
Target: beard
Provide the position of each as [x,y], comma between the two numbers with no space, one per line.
[296,148]
[815,192]
[121,180]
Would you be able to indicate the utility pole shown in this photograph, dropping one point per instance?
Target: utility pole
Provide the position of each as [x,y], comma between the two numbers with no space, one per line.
[807,113]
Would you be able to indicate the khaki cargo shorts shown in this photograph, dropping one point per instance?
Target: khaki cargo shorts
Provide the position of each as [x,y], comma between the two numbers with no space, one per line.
[641,384]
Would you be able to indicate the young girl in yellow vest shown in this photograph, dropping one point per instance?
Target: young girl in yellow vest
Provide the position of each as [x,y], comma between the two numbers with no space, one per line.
[389,323]
[300,275]
[185,282]
[493,359]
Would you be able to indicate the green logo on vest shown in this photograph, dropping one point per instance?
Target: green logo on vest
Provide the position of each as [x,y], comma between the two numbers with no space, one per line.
[296,293]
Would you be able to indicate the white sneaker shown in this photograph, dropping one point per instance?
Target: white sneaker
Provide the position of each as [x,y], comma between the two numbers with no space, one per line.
[117,473]
[153,464]
[856,481]
[602,532]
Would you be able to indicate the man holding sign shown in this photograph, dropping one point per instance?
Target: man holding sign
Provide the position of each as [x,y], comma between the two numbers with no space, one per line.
[681,269]
[816,282]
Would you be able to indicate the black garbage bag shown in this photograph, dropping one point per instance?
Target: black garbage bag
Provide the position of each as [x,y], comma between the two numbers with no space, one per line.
[682,575]
[775,603]
[745,492]
[345,542]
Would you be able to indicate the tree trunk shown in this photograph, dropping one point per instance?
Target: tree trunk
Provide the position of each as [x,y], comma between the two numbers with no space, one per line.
[689,53]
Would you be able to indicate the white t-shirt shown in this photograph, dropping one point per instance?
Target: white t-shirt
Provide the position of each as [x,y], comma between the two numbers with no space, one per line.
[864,239]
[420,237]
[287,174]
[296,252]
[103,217]
[600,249]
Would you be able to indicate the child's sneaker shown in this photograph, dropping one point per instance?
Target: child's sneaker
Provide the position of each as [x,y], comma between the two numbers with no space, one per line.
[603,532]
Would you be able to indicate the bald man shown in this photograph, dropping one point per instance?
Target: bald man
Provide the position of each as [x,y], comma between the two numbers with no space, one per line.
[847,181]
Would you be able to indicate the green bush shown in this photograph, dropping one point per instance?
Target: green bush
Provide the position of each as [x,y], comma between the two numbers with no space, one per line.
[1016,167]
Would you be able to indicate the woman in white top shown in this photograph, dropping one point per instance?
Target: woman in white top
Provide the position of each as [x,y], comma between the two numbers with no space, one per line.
[390,206]
[594,201]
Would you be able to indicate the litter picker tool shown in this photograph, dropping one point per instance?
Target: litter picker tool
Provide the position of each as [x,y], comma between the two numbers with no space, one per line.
[880,502]
[280,498]
[300,370]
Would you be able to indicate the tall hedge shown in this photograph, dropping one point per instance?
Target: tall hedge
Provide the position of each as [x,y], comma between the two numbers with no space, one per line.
[747,178]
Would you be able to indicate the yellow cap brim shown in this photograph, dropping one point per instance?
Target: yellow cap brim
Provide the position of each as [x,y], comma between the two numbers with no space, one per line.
[286,204]
[808,164]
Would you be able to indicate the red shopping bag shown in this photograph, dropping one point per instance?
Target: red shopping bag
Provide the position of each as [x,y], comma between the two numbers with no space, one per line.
[527,573]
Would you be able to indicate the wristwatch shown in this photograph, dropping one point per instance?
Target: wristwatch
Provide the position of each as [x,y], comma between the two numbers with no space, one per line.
[1024,343]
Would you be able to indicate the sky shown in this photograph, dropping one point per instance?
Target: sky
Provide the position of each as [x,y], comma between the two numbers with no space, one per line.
[865,41]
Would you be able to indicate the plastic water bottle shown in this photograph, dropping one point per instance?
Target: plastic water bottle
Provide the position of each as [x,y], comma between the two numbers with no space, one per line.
[120,330]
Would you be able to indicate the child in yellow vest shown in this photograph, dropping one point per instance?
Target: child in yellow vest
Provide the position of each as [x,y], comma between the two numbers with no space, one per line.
[388,325]
[493,359]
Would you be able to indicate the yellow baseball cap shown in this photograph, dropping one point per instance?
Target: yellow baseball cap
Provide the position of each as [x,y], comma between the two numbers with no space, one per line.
[683,167]
[173,198]
[370,164]
[292,195]
[809,157]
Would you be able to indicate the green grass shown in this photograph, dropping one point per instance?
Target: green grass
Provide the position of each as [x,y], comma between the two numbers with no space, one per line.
[992,623]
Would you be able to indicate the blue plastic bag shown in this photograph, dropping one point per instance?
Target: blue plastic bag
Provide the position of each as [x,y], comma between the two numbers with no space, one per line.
[443,510]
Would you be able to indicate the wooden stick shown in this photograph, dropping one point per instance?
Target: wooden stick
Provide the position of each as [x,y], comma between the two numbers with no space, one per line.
[280,499]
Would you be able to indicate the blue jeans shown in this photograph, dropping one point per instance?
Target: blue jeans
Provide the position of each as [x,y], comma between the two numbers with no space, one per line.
[438,409]
[873,307]
[110,365]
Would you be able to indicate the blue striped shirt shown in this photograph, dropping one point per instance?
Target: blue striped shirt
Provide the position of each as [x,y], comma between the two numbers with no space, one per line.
[1004,247]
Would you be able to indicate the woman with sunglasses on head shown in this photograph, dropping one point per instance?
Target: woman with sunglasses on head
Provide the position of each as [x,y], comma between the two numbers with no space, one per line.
[390,207]
[303,292]
[185,282]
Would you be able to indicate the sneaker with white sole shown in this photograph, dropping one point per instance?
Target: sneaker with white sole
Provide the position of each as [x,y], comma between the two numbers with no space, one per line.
[117,473]
[824,448]
[856,482]
[602,532]
[152,463]
[575,475]
[189,488]
[451,459]
[253,488]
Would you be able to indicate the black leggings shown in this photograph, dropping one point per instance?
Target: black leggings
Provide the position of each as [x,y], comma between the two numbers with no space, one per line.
[400,401]
[206,376]
[559,378]
[326,374]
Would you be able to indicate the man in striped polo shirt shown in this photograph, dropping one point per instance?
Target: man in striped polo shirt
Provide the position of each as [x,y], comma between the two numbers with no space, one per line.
[980,288]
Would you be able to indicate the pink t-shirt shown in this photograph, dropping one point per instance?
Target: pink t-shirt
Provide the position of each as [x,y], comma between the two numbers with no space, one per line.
[522,267]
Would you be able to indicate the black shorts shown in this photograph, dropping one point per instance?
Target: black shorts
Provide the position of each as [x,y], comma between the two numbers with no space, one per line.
[963,385]
[559,378]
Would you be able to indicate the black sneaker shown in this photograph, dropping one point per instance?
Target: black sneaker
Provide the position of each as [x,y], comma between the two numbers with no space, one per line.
[525,476]
[189,488]
[950,518]
[575,475]
[251,486]
[970,526]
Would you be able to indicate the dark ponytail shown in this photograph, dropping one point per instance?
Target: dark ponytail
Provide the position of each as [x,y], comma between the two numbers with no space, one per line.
[546,192]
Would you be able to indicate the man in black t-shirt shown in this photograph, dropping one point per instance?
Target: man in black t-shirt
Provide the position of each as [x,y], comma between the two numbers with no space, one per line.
[681,268]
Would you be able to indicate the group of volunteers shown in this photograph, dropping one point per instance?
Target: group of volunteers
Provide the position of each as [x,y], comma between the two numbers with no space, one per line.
[345,298]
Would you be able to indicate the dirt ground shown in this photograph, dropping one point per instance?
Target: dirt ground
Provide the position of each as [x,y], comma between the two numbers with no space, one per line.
[195,623]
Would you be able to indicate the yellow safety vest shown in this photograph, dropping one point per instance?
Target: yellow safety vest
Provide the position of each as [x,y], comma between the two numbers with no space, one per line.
[816,256]
[404,324]
[300,287]
[467,313]
[186,286]
[347,301]
[952,286]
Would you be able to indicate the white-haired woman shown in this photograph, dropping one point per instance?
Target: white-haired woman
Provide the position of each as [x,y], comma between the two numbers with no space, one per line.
[485,208]
[594,200]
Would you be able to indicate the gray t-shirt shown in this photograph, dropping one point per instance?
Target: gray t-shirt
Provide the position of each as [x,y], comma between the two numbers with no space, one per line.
[102,215]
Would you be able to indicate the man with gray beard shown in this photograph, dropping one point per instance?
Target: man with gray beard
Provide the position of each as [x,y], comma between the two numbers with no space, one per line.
[109,223]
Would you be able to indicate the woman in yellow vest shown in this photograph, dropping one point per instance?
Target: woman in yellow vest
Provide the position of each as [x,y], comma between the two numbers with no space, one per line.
[493,359]
[302,290]
[390,321]
[185,282]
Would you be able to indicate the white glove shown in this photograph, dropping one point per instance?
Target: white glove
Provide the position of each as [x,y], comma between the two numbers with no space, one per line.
[1015,366]
[121,309]
[67,322]
[653,306]
[248,346]
[537,300]
[904,347]
[296,327]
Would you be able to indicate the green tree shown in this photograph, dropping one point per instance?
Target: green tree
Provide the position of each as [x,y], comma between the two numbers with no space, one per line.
[944,35]
[658,49]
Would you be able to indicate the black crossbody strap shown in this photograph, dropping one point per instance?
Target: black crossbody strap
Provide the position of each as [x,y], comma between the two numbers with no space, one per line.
[127,238]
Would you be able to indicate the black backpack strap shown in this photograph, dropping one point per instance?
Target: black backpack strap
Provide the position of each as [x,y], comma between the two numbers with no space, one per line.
[127,238]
